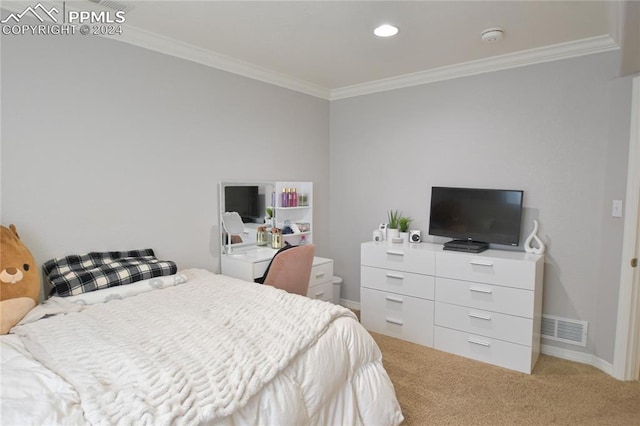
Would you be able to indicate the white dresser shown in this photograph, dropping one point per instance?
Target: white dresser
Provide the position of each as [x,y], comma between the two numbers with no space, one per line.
[397,286]
[484,306]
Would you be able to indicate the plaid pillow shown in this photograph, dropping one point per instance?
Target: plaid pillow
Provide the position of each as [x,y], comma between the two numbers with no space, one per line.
[77,274]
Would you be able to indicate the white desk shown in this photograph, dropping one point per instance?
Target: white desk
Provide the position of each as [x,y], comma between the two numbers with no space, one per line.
[251,263]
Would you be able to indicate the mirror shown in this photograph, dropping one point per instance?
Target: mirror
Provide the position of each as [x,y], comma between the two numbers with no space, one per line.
[250,201]
[233,227]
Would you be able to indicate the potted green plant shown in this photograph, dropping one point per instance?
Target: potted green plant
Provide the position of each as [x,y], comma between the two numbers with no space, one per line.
[269,217]
[393,226]
[403,225]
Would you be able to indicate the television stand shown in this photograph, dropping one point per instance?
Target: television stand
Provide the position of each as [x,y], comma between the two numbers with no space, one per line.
[466,245]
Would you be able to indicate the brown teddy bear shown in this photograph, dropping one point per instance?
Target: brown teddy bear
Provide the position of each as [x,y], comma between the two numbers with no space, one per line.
[19,279]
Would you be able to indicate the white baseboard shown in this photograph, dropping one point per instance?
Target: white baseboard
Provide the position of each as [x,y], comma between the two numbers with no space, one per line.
[581,357]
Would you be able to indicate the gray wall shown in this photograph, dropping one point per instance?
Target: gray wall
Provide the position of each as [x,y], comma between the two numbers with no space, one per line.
[559,131]
[106,146]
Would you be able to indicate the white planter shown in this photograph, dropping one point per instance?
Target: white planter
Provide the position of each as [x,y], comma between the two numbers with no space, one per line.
[392,233]
[405,237]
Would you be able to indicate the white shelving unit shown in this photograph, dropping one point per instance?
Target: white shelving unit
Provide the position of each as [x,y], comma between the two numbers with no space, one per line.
[271,196]
[248,261]
[298,214]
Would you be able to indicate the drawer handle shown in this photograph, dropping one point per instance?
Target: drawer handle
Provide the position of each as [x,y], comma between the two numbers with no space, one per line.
[320,275]
[480,263]
[481,290]
[319,294]
[394,299]
[480,316]
[394,321]
[395,252]
[479,342]
[396,276]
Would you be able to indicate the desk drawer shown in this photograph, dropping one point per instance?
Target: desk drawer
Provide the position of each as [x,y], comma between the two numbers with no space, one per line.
[485,269]
[323,291]
[512,301]
[492,351]
[398,258]
[259,268]
[490,324]
[404,317]
[399,282]
[321,273]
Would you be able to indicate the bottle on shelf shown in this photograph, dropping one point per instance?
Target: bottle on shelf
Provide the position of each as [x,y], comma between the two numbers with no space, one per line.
[284,201]
[294,198]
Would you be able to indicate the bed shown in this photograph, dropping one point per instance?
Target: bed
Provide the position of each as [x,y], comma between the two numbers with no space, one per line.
[193,348]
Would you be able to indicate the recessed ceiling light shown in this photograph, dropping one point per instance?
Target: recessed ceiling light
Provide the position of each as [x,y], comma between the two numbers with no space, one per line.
[386,30]
[492,35]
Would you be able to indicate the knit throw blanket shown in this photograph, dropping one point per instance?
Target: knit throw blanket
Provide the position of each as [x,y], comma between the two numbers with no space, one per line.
[188,354]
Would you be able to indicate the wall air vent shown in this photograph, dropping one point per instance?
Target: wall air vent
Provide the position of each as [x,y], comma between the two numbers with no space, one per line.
[564,330]
[114,5]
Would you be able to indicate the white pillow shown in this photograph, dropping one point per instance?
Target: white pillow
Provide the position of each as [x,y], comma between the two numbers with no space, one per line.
[124,291]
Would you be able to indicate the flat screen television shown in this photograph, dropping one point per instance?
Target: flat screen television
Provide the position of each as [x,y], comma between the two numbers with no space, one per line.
[475,218]
[244,200]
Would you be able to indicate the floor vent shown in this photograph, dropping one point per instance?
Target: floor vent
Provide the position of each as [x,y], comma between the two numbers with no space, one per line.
[564,330]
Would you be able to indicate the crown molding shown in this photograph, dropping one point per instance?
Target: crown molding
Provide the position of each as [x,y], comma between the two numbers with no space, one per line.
[172,47]
[166,45]
[158,43]
[179,49]
[556,52]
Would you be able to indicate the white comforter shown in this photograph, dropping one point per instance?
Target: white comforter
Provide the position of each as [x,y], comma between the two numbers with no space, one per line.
[223,356]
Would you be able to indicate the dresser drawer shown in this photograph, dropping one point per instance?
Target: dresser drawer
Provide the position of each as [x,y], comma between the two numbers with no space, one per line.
[507,271]
[512,301]
[481,348]
[323,291]
[400,282]
[490,324]
[321,272]
[404,317]
[400,258]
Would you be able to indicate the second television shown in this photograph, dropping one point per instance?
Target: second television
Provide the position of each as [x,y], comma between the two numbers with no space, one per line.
[476,217]
[243,199]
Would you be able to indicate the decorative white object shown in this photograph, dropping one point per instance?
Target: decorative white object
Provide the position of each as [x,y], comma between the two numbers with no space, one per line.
[530,248]
[393,233]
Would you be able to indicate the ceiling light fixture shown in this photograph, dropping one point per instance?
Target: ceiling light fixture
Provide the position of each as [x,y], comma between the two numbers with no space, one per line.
[386,30]
[492,35]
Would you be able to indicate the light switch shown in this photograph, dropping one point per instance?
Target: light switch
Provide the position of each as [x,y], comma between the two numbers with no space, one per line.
[616,210]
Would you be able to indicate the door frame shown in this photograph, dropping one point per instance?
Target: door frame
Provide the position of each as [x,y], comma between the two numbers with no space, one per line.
[626,359]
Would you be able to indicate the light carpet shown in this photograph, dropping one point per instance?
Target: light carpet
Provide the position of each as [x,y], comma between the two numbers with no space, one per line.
[437,388]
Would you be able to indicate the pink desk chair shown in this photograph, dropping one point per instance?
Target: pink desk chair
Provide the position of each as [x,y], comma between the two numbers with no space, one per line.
[290,269]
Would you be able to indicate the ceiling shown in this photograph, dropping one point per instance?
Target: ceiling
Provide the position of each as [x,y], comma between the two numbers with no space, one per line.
[327,49]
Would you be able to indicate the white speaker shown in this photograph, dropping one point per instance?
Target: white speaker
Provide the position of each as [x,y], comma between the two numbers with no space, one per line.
[383,230]
[377,235]
[414,236]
